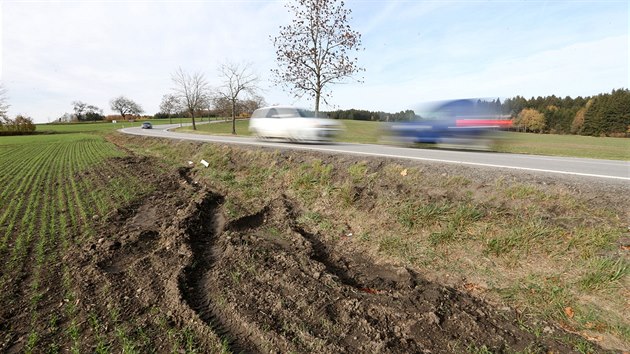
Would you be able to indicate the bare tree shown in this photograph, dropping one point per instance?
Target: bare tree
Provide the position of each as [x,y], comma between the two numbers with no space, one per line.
[252,104]
[78,107]
[223,106]
[192,91]
[125,106]
[86,112]
[237,78]
[170,104]
[313,51]
[4,106]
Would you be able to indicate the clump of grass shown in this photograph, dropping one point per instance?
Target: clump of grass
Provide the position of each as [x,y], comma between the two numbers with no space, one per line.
[455,181]
[544,295]
[457,221]
[31,342]
[316,221]
[604,272]
[521,238]
[399,247]
[313,180]
[413,214]
[587,241]
[446,234]
[474,349]
[357,172]
[523,191]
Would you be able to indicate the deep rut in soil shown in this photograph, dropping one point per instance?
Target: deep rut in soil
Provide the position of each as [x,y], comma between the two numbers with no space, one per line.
[204,228]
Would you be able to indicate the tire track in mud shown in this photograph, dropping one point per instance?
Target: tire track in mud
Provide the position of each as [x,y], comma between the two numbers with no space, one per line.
[204,229]
[340,267]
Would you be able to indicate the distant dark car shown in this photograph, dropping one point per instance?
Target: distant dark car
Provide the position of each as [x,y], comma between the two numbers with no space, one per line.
[458,122]
[147,125]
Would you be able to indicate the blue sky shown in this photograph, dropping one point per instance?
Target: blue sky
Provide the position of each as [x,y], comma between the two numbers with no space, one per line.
[56,52]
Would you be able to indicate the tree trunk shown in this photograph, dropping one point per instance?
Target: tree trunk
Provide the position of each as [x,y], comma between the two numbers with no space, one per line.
[193,120]
[233,117]
[317,103]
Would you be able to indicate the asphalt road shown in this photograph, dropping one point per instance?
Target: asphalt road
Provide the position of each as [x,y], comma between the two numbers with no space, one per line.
[588,168]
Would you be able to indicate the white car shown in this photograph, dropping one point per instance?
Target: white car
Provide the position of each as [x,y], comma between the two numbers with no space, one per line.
[295,124]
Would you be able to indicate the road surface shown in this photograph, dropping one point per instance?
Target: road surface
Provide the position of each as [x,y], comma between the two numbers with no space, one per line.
[593,168]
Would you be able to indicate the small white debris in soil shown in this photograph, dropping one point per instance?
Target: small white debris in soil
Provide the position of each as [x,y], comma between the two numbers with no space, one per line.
[205,163]
[190,163]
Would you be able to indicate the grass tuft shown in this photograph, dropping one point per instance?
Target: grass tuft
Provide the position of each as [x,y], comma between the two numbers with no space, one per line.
[604,272]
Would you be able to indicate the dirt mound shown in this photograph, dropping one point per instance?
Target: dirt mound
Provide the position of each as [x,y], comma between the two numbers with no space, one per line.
[261,283]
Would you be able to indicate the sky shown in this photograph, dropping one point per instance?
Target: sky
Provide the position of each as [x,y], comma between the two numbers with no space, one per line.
[57,52]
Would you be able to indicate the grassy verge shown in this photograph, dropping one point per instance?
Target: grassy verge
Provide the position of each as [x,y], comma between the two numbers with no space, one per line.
[543,249]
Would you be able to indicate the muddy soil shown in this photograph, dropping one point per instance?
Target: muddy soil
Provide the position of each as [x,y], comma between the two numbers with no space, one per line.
[262,284]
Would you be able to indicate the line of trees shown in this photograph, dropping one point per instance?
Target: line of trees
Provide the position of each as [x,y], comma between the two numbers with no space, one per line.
[84,112]
[193,96]
[359,114]
[20,125]
[606,114]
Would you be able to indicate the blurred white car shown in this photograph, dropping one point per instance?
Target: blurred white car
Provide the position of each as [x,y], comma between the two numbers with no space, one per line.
[295,124]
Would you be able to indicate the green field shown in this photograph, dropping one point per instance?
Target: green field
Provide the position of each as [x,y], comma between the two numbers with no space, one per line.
[54,187]
[96,126]
[566,145]
[510,142]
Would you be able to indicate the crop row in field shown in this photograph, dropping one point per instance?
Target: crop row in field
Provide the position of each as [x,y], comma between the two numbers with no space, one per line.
[55,187]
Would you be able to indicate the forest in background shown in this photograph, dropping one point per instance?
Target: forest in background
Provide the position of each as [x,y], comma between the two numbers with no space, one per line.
[606,114]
